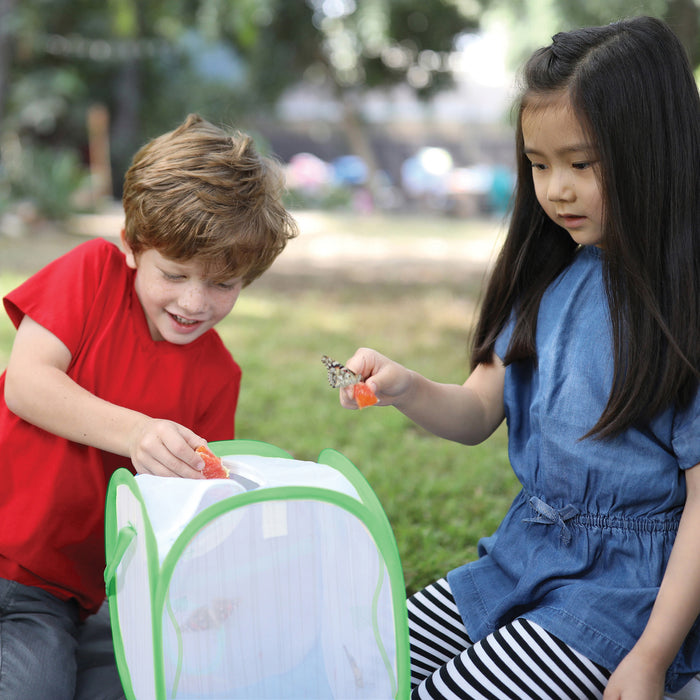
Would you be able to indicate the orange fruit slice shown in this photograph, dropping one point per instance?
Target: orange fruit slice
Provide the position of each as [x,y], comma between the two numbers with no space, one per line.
[213,466]
[364,396]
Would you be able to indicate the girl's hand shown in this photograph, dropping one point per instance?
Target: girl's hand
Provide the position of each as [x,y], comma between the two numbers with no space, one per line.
[164,448]
[635,679]
[388,379]
[466,413]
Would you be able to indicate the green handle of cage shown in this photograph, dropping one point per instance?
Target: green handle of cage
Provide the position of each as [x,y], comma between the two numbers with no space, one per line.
[124,539]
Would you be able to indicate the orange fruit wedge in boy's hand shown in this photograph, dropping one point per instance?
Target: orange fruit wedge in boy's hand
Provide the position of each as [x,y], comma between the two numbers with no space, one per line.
[364,396]
[213,466]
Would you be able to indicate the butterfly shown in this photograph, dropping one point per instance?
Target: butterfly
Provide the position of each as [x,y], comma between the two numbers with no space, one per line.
[339,375]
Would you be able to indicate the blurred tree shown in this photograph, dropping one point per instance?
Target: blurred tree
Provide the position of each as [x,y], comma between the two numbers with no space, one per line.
[58,57]
[352,46]
[6,11]
[683,16]
[150,62]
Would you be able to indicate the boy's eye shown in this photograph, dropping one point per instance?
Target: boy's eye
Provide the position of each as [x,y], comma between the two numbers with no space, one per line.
[227,286]
[173,277]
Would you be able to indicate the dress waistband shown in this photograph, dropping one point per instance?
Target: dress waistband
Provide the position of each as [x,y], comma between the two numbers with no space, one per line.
[570,515]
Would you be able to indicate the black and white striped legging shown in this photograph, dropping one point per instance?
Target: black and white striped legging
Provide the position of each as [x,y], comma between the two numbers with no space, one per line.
[520,661]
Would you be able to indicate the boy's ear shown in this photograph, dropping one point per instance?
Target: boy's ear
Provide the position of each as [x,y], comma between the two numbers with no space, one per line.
[130,257]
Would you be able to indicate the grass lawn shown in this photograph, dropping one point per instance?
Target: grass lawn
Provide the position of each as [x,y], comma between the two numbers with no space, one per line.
[440,497]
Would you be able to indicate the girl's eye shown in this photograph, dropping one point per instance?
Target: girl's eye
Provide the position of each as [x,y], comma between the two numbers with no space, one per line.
[581,166]
[538,166]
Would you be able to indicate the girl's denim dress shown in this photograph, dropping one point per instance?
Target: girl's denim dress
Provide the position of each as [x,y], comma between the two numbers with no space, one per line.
[584,546]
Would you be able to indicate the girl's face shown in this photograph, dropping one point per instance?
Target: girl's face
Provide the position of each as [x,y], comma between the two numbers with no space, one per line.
[179,302]
[563,169]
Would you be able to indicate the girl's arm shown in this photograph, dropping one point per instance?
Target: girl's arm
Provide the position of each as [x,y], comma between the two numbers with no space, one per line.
[466,413]
[38,390]
[641,673]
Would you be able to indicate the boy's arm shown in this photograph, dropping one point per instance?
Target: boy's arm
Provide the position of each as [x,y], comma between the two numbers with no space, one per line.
[38,390]
[641,673]
[467,413]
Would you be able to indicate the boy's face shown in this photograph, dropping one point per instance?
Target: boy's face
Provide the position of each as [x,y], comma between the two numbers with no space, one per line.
[180,304]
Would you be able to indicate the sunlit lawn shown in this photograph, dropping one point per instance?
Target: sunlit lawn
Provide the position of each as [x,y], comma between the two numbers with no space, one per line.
[440,497]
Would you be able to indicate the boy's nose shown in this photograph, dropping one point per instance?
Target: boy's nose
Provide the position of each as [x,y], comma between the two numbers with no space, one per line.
[192,299]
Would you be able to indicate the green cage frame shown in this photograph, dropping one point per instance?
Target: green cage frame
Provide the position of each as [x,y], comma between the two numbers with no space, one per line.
[367,509]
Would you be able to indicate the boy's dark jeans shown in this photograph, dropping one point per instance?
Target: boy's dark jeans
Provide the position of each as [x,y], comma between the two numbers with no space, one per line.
[46,652]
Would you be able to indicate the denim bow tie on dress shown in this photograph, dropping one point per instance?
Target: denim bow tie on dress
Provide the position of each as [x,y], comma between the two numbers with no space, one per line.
[551,516]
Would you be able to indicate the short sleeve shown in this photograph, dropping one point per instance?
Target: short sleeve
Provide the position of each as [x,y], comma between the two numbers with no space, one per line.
[503,340]
[686,434]
[59,297]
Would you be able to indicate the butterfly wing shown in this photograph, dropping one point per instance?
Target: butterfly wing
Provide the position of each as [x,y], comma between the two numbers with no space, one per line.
[339,375]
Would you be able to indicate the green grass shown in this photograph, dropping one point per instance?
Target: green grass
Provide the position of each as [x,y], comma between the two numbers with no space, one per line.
[440,497]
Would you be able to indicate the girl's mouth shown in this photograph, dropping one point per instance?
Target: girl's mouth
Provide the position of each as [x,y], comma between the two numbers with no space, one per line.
[572,221]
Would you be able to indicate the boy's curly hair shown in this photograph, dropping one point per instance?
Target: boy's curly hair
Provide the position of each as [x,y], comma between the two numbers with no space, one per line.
[198,192]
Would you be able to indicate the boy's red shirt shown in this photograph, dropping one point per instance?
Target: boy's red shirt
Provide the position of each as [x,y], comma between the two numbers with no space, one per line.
[52,491]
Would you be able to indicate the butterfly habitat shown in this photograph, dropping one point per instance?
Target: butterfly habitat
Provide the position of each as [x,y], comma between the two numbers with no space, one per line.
[281,581]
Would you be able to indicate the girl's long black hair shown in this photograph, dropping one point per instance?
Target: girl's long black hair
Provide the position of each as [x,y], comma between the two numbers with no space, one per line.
[633,91]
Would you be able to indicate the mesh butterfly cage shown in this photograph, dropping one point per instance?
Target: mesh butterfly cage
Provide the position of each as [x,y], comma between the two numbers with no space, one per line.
[283,581]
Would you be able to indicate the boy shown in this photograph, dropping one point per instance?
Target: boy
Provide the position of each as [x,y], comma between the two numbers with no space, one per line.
[116,364]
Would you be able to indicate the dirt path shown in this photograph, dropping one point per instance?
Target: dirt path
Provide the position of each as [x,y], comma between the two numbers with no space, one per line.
[325,249]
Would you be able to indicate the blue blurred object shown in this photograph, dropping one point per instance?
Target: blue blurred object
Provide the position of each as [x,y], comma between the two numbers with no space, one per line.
[350,170]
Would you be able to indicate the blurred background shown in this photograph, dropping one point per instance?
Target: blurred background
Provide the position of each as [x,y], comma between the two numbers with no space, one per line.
[388,105]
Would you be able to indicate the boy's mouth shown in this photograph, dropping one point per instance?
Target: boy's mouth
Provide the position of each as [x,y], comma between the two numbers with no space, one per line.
[183,321]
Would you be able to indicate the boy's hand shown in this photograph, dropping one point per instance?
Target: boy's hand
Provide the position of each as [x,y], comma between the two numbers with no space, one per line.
[165,448]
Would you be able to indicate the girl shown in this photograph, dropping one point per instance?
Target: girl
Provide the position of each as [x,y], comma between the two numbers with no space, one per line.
[588,343]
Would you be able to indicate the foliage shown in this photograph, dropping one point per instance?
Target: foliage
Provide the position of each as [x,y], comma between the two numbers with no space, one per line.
[330,197]
[361,44]
[533,22]
[153,62]
[47,178]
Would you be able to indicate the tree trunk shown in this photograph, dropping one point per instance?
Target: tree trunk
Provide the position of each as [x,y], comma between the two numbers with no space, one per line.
[126,113]
[6,9]
[126,121]
[358,138]
[683,16]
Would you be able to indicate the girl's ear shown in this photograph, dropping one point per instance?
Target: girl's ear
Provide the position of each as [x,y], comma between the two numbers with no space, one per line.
[130,257]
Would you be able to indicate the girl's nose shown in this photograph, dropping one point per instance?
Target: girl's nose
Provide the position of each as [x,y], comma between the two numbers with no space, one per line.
[560,188]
